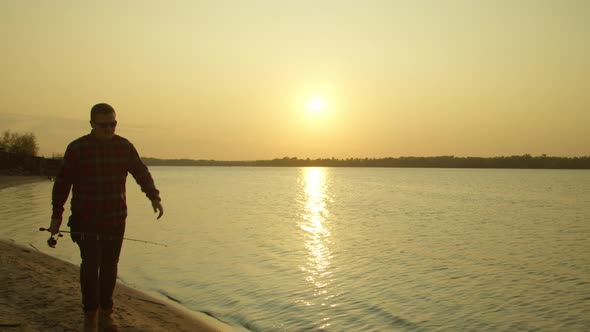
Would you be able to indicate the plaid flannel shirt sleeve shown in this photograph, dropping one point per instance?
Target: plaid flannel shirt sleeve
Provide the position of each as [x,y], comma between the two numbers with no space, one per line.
[142,176]
[63,182]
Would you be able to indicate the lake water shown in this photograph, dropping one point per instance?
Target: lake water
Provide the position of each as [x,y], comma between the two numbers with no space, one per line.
[353,249]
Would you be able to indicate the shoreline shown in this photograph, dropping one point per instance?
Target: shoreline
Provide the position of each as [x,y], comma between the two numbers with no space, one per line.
[7,181]
[41,292]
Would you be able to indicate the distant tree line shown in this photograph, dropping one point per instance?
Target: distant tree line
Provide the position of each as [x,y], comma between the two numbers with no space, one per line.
[19,144]
[18,156]
[522,161]
[192,162]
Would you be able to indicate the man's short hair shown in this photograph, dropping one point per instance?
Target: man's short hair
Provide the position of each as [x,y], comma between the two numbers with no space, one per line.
[101,108]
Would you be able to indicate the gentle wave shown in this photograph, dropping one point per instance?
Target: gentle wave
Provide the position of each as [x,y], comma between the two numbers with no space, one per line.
[295,249]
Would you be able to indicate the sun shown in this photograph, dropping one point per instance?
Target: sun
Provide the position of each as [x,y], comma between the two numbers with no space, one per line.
[316,104]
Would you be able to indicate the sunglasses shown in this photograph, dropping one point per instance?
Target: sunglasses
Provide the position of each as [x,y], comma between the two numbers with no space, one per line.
[106,125]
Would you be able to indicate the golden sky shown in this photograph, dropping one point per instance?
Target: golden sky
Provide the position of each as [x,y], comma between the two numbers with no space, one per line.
[251,79]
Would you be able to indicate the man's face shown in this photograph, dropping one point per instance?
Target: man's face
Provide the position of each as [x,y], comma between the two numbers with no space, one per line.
[104,126]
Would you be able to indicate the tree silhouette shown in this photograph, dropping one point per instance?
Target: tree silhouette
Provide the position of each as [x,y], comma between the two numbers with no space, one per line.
[20,144]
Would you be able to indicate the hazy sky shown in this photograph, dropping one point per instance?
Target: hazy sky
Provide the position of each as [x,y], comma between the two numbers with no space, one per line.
[242,80]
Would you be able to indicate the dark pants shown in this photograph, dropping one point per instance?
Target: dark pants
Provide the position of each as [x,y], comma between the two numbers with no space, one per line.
[98,271]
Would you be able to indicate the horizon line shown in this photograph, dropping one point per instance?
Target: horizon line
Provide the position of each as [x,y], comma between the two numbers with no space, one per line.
[374,158]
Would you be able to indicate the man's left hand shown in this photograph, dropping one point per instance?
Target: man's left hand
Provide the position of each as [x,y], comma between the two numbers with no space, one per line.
[157,205]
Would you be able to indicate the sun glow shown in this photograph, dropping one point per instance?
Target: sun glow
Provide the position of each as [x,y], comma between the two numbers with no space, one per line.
[316,104]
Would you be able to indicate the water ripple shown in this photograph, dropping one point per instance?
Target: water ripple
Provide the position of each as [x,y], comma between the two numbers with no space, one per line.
[289,249]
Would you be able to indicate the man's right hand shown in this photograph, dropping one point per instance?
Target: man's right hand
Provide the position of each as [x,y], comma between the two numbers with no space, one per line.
[54,226]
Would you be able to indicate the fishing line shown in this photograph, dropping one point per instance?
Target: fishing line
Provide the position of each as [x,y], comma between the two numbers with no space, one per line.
[52,242]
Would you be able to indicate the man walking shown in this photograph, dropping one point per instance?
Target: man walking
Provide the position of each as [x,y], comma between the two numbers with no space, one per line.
[95,168]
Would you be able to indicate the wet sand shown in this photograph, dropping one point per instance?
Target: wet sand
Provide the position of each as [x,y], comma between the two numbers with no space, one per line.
[42,293]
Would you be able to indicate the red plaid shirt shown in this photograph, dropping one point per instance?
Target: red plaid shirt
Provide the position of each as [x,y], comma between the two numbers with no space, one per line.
[96,171]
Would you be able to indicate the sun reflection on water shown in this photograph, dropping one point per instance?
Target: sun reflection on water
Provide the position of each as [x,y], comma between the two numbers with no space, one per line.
[317,238]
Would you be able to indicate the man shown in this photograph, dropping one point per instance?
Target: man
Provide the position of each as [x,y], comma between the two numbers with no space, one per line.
[95,167]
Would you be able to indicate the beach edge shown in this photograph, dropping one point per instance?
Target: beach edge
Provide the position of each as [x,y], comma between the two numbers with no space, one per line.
[41,292]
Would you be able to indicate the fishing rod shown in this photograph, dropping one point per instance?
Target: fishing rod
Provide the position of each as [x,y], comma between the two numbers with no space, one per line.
[52,242]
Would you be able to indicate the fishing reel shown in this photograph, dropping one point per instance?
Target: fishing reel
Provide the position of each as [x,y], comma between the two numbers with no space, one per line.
[52,241]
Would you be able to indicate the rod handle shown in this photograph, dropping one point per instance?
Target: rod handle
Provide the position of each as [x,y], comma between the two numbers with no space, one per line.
[42,229]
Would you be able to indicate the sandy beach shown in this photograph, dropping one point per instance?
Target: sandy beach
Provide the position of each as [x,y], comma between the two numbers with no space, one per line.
[42,293]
